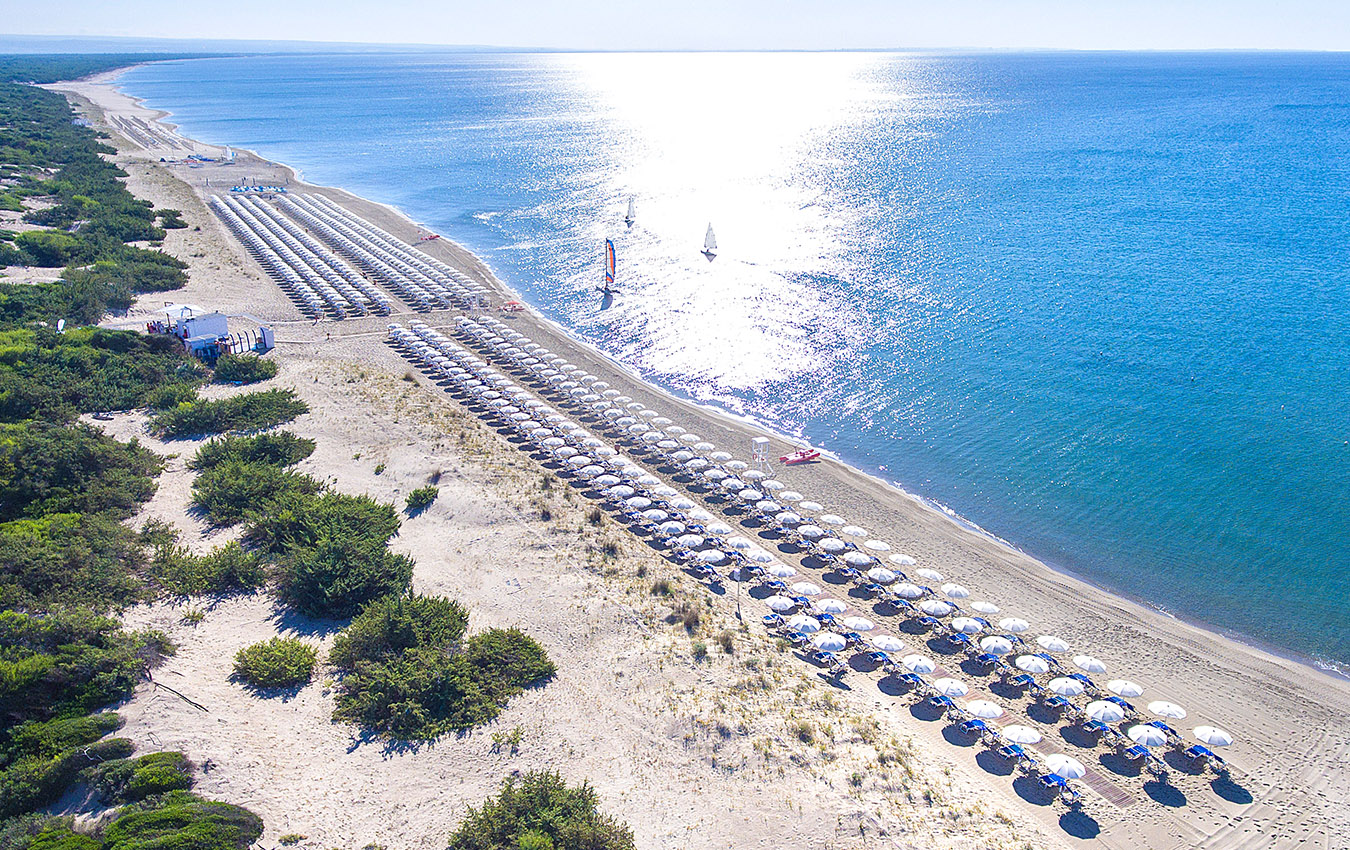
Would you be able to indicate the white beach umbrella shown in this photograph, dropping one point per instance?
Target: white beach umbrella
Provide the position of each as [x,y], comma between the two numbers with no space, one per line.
[1032,664]
[1052,643]
[806,588]
[877,546]
[788,518]
[750,494]
[887,643]
[1065,767]
[831,519]
[984,607]
[1014,625]
[905,590]
[671,529]
[721,529]
[709,474]
[606,480]
[1065,687]
[950,687]
[1088,664]
[621,491]
[881,575]
[810,507]
[647,480]
[810,532]
[639,503]
[590,470]
[1212,736]
[664,491]
[984,709]
[1125,688]
[695,464]
[955,591]
[712,556]
[935,607]
[829,642]
[785,495]
[689,541]
[966,625]
[700,515]
[780,603]
[773,485]
[731,484]
[902,560]
[1149,736]
[853,531]
[859,624]
[1104,711]
[736,465]
[759,556]
[1171,710]
[858,559]
[996,645]
[1020,734]
[753,475]
[918,663]
[829,606]
[930,575]
[681,503]
[717,457]
[782,571]
[768,506]
[740,544]
[804,624]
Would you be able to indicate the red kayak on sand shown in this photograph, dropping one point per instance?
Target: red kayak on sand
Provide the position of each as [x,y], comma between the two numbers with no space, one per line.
[512,307]
[801,456]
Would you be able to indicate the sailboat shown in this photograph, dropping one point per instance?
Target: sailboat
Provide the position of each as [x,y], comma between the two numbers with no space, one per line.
[609,289]
[710,244]
[632,212]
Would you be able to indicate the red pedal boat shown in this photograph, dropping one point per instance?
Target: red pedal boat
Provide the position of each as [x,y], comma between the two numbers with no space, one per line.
[801,456]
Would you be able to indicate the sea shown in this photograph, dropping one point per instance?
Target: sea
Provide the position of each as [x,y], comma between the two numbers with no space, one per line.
[1097,304]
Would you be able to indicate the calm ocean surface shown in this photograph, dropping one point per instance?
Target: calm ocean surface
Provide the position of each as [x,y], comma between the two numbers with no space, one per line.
[1097,304]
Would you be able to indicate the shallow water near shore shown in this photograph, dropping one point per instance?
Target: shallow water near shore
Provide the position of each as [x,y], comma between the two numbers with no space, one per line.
[1095,303]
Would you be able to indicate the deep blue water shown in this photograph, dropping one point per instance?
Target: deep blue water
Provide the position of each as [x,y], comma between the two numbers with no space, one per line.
[1097,304]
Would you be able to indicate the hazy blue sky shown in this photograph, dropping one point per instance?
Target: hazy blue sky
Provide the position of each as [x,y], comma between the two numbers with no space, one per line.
[659,24]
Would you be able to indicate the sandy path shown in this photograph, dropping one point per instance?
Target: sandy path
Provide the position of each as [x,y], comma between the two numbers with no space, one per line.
[1291,721]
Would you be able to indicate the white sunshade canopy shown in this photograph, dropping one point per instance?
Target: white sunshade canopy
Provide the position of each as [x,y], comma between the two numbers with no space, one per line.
[950,687]
[1065,767]
[1032,664]
[1170,710]
[984,709]
[1104,711]
[1065,687]
[1020,734]
[829,642]
[780,603]
[804,624]
[1149,736]
[887,643]
[1212,736]
[1125,688]
[918,663]
[1052,643]
[829,606]
[1088,664]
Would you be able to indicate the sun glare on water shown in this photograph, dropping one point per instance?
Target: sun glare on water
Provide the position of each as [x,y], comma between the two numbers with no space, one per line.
[747,143]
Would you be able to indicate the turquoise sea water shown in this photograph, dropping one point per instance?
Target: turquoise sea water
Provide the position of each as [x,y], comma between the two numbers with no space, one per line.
[1098,304]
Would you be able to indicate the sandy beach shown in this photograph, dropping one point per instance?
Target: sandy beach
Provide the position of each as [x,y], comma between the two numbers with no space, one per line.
[753,748]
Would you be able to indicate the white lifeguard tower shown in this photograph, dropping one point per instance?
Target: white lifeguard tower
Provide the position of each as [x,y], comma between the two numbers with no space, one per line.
[759,452]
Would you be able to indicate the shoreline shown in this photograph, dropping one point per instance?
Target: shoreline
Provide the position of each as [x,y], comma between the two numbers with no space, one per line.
[1338,670]
[1255,678]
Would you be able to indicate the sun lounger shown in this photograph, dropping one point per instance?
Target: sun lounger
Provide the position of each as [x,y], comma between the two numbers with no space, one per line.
[1020,681]
[873,590]
[1057,783]
[986,661]
[854,639]
[773,621]
[1201,756]
[974,726]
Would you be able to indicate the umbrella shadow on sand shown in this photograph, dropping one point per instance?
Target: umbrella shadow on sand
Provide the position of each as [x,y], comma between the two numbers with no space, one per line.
[990,762]
[1165,794]
[1226,788]
[1079,824]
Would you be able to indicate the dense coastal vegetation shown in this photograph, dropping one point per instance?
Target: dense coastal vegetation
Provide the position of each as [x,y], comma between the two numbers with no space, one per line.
[69,560]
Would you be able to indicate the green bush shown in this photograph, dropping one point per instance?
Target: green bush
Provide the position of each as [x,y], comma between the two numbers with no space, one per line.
[127,780]
[244,369]
[69,662]
[248,412]
[47,468]
[421,498]
[235,490]
[182,821]
[387,627]
[52,737]
[407,676]
[171,219]
[66,559]
[279,448]
[303,521]
[276,663]
[538,810]
[43,832]
[335,577]
[32,782]
[170,396]
[225,569]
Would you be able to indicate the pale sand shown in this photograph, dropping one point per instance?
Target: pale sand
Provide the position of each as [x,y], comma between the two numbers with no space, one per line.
[648,739]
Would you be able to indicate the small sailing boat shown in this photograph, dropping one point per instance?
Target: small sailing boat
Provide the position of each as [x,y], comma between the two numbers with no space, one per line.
[632,212]
[710,244]
[609,288]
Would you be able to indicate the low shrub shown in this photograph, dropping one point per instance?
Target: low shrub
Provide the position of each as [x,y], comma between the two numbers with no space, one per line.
[538,810]
[276,663]
[336,577]
[44,832]
[170,396]
[180,820]
[244,369]
[421,499]
[387,627]
[279,448]
[37,781]
[234,490]
[128,780]
[248,412]
[225,569]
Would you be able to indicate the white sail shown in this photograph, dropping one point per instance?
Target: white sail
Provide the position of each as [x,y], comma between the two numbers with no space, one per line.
[710,241]
[632,211]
